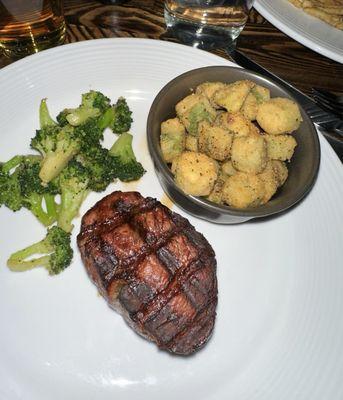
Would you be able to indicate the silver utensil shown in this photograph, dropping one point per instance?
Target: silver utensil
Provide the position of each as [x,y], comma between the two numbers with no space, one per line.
[322,118]
[329,101]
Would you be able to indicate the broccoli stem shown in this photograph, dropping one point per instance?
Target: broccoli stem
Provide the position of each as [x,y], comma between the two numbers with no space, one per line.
[69,208]
[51,207]
[47,217]
[105,120]
[10,164]
[35,206]
[44,115]
[54,162]
[21,265]
[80,115]
[18,262]
[54,253]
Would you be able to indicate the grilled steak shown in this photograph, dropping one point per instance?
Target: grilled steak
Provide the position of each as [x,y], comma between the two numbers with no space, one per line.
[153,267]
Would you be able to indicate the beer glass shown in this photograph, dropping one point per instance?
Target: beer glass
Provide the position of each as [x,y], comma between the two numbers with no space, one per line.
[27,26]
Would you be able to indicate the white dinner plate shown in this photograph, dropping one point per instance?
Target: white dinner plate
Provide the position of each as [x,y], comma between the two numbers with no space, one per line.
[279,327]
[304,28]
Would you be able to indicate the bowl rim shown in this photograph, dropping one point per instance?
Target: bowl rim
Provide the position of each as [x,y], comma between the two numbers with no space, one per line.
[251,212]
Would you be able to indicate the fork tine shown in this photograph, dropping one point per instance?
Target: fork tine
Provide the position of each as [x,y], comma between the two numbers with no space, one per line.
[327,96]
[329,103]
[320,116]
[336,127]
[329,107]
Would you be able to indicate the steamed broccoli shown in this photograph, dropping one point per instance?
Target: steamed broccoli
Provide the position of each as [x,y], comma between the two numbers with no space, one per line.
[45,138]
[89,133]
[62,117]
[104,166]
[100,166]
[121,119]
[95,99]
[93,105]
[13,162]
[78,129]
[10,194]
[124,164]
[67,145]
[45,119]
[55,247]
[73,183]
[57,145]
[34,194]
[23,188]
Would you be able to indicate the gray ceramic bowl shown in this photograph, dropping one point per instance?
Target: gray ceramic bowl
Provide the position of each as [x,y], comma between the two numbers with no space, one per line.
[303,167]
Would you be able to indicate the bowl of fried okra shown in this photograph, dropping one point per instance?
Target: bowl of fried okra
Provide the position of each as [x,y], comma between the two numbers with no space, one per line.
[229,145]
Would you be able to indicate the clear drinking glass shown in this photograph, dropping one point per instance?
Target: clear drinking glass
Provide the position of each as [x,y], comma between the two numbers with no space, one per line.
[207,24]
[27,26]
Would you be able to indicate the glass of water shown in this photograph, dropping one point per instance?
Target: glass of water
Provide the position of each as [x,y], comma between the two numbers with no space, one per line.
[207,24]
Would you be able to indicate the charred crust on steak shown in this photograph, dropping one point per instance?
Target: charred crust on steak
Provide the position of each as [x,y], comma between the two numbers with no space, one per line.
[153,267]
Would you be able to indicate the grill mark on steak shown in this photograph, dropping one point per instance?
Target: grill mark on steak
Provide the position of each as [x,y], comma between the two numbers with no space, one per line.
[153,267]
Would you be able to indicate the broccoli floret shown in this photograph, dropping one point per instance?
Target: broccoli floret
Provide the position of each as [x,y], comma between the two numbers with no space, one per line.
[89,133]
[80,115]
[106,119]
[55,247]
[23,188]
[125,165]
[34,194]
[93,105]
[95,99]
[121,117]
[45,138]
[100,165]
[10,193]
[67,145]
[13,162]
[57,145]
[62,117]
[73,183]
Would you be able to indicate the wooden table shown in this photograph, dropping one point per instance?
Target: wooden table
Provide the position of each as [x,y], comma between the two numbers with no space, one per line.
[261,41]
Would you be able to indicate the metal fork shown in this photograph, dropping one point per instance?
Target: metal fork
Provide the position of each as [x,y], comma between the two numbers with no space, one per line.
[329,101]
[326,121]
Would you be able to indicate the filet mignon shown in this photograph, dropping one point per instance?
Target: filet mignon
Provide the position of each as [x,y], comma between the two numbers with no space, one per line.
[153,267]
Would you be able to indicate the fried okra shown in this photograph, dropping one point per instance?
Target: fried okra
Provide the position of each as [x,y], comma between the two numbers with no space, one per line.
[195,173]
[194,109]
[258,95]
[216,196]
[281,171]
[228,169]
[215,142]
[208,89]
[191,143]
[172,139]
[278,116]
[243,190]
[249,154]
[235,142]
[237,124]
[233,95]
[280,147]
[271,182]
